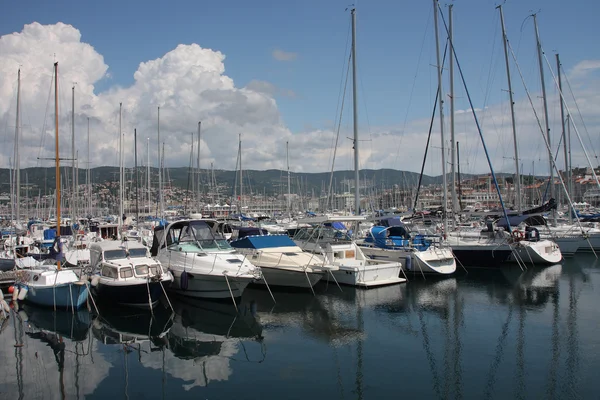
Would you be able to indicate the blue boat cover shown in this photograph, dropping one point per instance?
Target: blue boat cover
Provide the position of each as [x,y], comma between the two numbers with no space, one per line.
[263,242]
[336,225]
[49,234]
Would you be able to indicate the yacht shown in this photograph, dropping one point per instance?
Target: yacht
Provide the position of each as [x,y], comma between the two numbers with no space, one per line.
[282,262]
[202,262]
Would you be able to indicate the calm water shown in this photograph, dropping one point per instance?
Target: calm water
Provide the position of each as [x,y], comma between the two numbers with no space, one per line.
[491,334]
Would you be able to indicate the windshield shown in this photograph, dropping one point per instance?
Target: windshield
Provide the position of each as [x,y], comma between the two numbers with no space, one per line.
[115,254]
[137,253]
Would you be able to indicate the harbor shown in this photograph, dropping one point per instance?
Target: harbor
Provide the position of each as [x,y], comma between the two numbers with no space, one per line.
[185,235]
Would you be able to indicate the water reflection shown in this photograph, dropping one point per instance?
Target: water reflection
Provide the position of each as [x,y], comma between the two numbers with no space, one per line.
[48,354]
[486,334]
[205,337]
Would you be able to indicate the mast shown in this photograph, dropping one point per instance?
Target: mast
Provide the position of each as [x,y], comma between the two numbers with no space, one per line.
[441,106]
[455,206]
[137,204]
[458,165]
[57,162]
[198,164]
[73,184]
[148,173]
[121,174]
[160,195]
[88,173]
[546,120]
[289,200]
[512,112]
[355,112]
[17,157]
[240,156]
[566,143]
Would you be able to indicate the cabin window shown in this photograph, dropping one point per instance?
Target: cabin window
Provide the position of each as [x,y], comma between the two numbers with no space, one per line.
[115,254]
[109,272]
[126,272]
[154,269]
[141,270]
[137,253]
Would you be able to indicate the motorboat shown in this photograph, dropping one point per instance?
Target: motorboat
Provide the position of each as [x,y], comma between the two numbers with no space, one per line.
[330,238]
[283,262]
[203,264]
[124,273]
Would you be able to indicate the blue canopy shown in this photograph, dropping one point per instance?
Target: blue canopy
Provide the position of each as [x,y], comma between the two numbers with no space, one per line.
[263,242]
[336,225]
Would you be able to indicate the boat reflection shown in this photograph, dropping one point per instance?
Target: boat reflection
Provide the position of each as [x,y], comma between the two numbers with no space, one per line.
[71,325]
[49,354]
[127,325]
[312,313]
[204,338]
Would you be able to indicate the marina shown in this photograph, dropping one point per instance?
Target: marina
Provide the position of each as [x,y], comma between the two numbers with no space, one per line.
[486,334]
[313,267]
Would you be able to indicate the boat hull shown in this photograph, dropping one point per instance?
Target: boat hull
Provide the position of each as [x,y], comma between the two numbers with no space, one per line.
[592,243]
[209,286]
[67,295]
[430,261]
[370,275]
[482,256]
[543,252]
[139,295]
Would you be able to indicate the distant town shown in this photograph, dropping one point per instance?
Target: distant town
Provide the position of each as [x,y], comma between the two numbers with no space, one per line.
[219,193]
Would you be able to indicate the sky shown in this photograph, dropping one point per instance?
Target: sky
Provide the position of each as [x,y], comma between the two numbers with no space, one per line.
[274,72]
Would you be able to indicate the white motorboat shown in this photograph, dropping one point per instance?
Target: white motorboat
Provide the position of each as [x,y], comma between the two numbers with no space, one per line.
[203,264]
[125,274]
[281,261]
[330,239]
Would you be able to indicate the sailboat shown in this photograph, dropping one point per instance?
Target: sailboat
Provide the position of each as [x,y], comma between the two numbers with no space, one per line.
[493,246]
[50,285]
[390,239]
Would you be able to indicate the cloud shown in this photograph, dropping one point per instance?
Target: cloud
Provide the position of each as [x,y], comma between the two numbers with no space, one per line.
[281,55]
[189,84]
[584,68]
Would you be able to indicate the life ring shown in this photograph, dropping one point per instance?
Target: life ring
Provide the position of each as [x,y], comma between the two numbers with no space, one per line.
[518,235]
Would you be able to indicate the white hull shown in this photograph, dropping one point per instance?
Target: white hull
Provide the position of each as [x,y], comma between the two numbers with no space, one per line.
[536,253]
[209,286]
[435,261]
[372,275]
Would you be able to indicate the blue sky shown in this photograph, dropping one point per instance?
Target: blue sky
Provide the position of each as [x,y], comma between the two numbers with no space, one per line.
[395,45]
